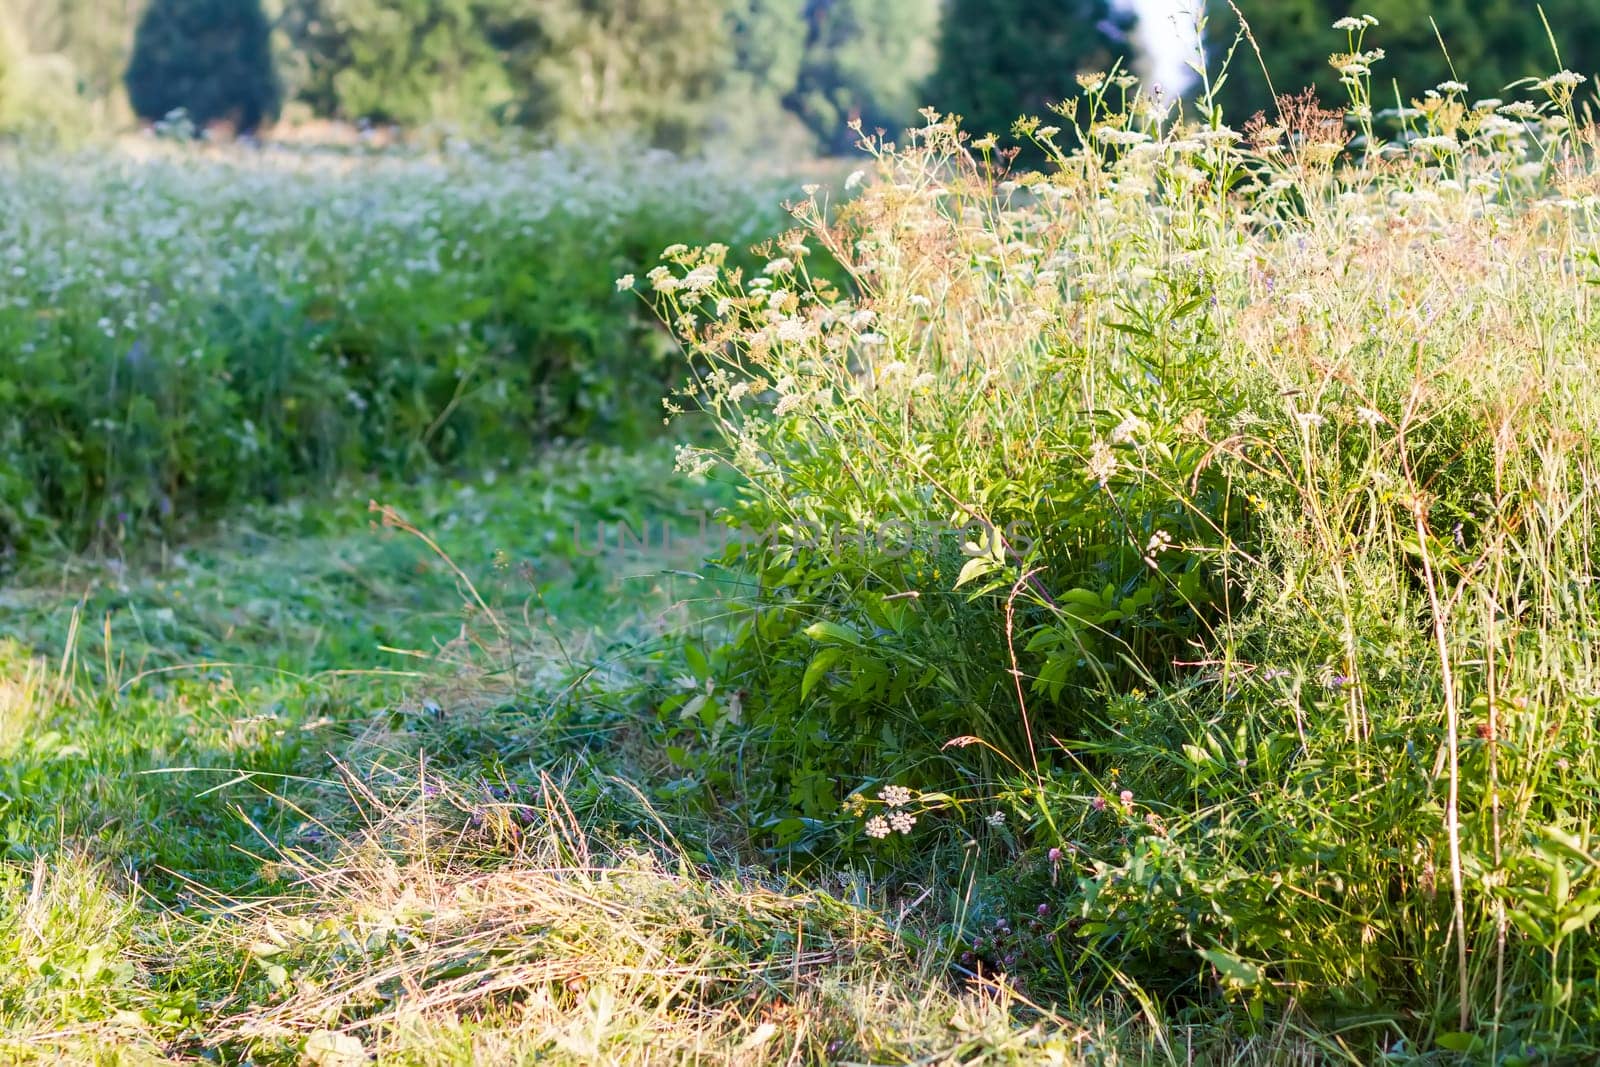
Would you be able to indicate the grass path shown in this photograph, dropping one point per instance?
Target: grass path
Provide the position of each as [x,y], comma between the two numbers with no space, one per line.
[316,789]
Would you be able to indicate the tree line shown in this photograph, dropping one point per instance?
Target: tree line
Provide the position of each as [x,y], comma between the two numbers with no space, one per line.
[681,73]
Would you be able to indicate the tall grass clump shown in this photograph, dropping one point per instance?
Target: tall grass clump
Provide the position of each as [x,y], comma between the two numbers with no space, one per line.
[187,330]
[1203,528]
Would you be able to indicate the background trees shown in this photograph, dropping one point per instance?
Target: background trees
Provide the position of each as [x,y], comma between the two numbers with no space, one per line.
[1000,59]
[1490,44]
[682,74]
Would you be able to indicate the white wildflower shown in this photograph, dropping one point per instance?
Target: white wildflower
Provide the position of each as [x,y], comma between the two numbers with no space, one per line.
[1116,136]
[1519,109]
[1437,143]
[902,821]
[625,283]
[877,826]
[781,265]
[1565,79]
[700,279]
[1102,463]
[895,796]
[997,819]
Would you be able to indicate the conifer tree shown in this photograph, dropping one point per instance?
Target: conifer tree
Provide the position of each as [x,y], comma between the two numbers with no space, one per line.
[212,58]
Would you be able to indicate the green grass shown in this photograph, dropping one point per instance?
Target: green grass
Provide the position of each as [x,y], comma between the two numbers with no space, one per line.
[238,825]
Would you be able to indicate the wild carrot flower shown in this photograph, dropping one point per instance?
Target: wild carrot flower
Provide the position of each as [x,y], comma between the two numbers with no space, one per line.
[902,821]
[877,827]
[895,796]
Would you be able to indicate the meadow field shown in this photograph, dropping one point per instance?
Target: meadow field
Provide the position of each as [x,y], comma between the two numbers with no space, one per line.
[485,605]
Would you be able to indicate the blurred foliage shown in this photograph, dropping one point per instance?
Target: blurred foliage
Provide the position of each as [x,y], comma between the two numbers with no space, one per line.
[1487,44]
[189,333]
[864,61]
[1002,59]
[37,94]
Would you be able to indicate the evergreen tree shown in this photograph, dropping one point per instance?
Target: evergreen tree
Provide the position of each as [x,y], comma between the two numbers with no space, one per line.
[1003,59]
[212,58]
[1491,43]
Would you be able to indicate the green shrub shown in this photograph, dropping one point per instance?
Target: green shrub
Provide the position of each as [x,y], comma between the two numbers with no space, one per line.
[188,332]
[1278,678]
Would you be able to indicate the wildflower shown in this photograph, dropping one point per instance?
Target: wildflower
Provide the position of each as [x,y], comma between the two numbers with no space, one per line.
[1565,79]
[1369,416]
[1159,542]
[625,283]
[997,819]
[896,796]
[1309,420]
[700,279]
[1113,135]
[1126,796]
[1055,855]
[793,331]
[1441,143]
[1350,24]
[1519,109]
[788,404]
[878,827]
[1102,463]
[902,821]
[855,179]
[781,265]
[1098,803]
[870,338]
[1452,86]
[1126,430]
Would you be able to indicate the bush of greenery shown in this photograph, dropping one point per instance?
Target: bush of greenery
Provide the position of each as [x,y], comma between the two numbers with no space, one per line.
[187,332]
[1266,648]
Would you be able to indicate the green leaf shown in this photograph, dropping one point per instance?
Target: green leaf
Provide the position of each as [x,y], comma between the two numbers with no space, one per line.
[832,631]
[1460,1041]
[973,569]
[817,668]
[1232,969]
